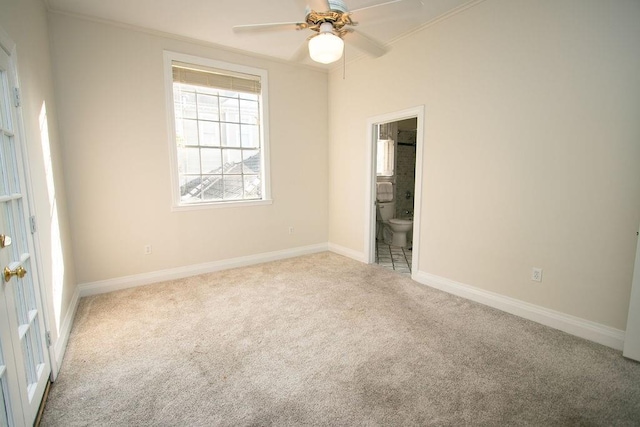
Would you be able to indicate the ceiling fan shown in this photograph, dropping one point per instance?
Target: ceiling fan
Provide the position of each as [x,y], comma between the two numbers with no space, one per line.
[332,22]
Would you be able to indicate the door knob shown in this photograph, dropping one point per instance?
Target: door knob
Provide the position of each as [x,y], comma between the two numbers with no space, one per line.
[8,273]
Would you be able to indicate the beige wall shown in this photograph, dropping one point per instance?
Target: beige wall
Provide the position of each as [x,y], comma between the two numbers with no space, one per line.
[531,152]
[116,155]
[25,21]
[530,156]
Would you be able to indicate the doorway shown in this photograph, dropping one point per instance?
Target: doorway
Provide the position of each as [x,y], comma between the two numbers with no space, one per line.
[394,139]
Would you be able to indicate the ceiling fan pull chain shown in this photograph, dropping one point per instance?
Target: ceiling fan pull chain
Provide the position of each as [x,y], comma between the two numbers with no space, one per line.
[344,64]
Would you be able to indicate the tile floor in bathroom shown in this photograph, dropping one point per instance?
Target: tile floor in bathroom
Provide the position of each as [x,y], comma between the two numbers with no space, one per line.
[393,258]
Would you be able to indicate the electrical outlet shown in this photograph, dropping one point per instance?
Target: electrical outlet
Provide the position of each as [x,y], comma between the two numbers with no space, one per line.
[290,229]
[536,274]
[147,249]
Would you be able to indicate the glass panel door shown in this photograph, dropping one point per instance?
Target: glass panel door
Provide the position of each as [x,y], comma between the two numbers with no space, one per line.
[25,363]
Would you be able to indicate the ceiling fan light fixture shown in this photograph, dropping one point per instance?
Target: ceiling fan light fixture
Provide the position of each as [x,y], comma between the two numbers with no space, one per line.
[326,47]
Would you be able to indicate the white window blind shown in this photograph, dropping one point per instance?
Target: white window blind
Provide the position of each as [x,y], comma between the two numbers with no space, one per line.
[213,78]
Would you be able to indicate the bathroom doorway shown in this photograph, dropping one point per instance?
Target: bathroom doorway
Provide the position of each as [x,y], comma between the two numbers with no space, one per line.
[393,200]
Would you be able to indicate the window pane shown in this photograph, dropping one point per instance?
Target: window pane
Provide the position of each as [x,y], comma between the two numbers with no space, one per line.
[29,295]
[211,160]
[209,133]
[230,135]
[232,160]
[185,104]
[20,303]
[250,161]
[250,136]
[20,231]
[208,107]
[4,172]
[190,189]
[38,356]
[212,187]
[11,163]
[184,180]
[233,187]
[10,224]
[229,110]
[4,416]
[29,363]
[189,160]
[249,112]
[252,187]
[186,132]
[4,88]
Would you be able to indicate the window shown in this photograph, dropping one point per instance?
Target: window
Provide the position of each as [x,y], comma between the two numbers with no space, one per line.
[386,149]
[218,142]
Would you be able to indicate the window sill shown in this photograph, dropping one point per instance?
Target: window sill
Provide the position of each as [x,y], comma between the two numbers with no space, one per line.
[220,205]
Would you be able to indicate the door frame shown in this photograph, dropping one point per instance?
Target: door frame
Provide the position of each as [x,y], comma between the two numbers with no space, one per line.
[417,112]
[631,347]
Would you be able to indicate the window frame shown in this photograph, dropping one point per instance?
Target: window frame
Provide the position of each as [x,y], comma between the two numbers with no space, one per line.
[176,203]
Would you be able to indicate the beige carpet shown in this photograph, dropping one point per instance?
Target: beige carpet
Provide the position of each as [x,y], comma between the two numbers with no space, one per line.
[324,340]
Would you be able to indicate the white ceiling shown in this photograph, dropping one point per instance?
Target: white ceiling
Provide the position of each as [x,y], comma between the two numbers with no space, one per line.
[212,20]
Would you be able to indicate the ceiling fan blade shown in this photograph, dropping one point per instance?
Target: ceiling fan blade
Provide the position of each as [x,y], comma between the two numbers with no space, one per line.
[368,13]
[364,43]
[278,26]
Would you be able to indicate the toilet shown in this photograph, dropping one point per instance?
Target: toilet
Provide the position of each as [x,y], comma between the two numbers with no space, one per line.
[400,228]
[391,230]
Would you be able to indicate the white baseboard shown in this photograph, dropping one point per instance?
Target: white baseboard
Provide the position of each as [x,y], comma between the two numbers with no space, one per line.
[349,253]
[125,282]
[582,328]
[589,330]
[60,345]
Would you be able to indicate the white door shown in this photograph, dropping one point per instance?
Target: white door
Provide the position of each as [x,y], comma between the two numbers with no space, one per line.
[24,362]
[632,336]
